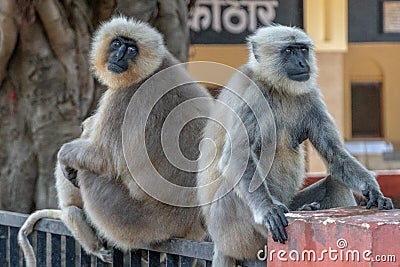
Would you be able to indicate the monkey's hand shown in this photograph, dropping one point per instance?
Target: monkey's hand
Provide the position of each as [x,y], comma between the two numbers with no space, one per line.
[70,174]
[70,154]
[273,217]
[375,198]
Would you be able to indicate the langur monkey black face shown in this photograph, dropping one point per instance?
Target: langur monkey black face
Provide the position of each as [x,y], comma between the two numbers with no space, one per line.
[295,62]
[283,65]
[122,49]
[124,54]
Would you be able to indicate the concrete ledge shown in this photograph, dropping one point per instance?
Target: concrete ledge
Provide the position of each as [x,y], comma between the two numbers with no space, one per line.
[339,237]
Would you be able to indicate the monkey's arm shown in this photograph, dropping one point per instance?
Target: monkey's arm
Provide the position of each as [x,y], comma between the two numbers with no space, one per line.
[325,137]
[265,208]
[81,154]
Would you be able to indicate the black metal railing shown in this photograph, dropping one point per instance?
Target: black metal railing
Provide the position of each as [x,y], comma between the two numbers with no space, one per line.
[54,246]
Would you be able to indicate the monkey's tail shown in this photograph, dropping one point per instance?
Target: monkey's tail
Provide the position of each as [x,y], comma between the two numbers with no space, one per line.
[27,229]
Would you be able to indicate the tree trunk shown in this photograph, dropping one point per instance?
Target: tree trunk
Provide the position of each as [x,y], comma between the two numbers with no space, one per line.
[46,86]
[170,17]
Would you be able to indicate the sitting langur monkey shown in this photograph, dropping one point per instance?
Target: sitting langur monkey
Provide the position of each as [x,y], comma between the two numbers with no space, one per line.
[124,55]
[282,64]
[70,213]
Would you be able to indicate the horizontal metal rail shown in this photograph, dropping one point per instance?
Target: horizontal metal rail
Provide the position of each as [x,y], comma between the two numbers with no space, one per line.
[55,246]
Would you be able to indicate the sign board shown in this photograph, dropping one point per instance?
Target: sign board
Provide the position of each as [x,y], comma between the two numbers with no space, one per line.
[374,21]
[231,21]
[391,16]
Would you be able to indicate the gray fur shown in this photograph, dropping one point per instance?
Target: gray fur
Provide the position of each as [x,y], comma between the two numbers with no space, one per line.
[70,213]
[119,210]
[238,222]
[328,193]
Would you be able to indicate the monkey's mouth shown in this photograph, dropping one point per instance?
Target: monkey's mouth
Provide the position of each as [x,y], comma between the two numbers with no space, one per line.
[113,67]
[300,77]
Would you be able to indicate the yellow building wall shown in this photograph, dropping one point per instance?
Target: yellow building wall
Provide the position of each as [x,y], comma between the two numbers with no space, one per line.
[231,55]
[332,84]
[376,62]
[326,22]
[339,63]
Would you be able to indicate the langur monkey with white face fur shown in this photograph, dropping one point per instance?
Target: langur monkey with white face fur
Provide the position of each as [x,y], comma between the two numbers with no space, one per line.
[282,64]
[126,53]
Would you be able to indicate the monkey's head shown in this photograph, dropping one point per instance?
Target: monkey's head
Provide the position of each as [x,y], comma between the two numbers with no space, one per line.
[284,58]
[125,51]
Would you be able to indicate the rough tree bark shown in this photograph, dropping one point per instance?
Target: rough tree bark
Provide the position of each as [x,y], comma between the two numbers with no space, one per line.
[46,89]
[169,17]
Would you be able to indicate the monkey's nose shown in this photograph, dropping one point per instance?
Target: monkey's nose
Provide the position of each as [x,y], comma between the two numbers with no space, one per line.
[121,52]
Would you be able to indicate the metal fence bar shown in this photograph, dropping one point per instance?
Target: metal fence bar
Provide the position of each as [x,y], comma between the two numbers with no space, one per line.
[55,250]
[41,249]
[70,251]
[253,263]
[172,260]
[3,244]
[186,261]
[86,259]
[179,252]
[154,259]
[187,248]
[14,248]
[118,258]
[51,226]
[100,263]
[136,258]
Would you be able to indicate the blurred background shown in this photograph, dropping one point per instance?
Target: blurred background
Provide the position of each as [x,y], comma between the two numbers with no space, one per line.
[47,89]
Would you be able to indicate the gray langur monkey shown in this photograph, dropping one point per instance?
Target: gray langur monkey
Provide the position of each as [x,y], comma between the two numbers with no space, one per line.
[282,64]
[126,53]
[70,213]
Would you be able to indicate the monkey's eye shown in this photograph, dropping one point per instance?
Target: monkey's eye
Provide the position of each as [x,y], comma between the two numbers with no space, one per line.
[116,44]
[304,49]
[288,50]
[131,50]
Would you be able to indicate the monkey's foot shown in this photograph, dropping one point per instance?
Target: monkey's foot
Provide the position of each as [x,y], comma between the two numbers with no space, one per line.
[104,255]
[310,207]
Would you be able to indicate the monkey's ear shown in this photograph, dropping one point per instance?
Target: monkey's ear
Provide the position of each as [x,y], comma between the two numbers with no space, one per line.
[253,49]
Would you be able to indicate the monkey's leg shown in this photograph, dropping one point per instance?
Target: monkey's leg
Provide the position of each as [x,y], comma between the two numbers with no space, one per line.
[328,193]
[232,228]
[221,260]
[254,263]
[74,218]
